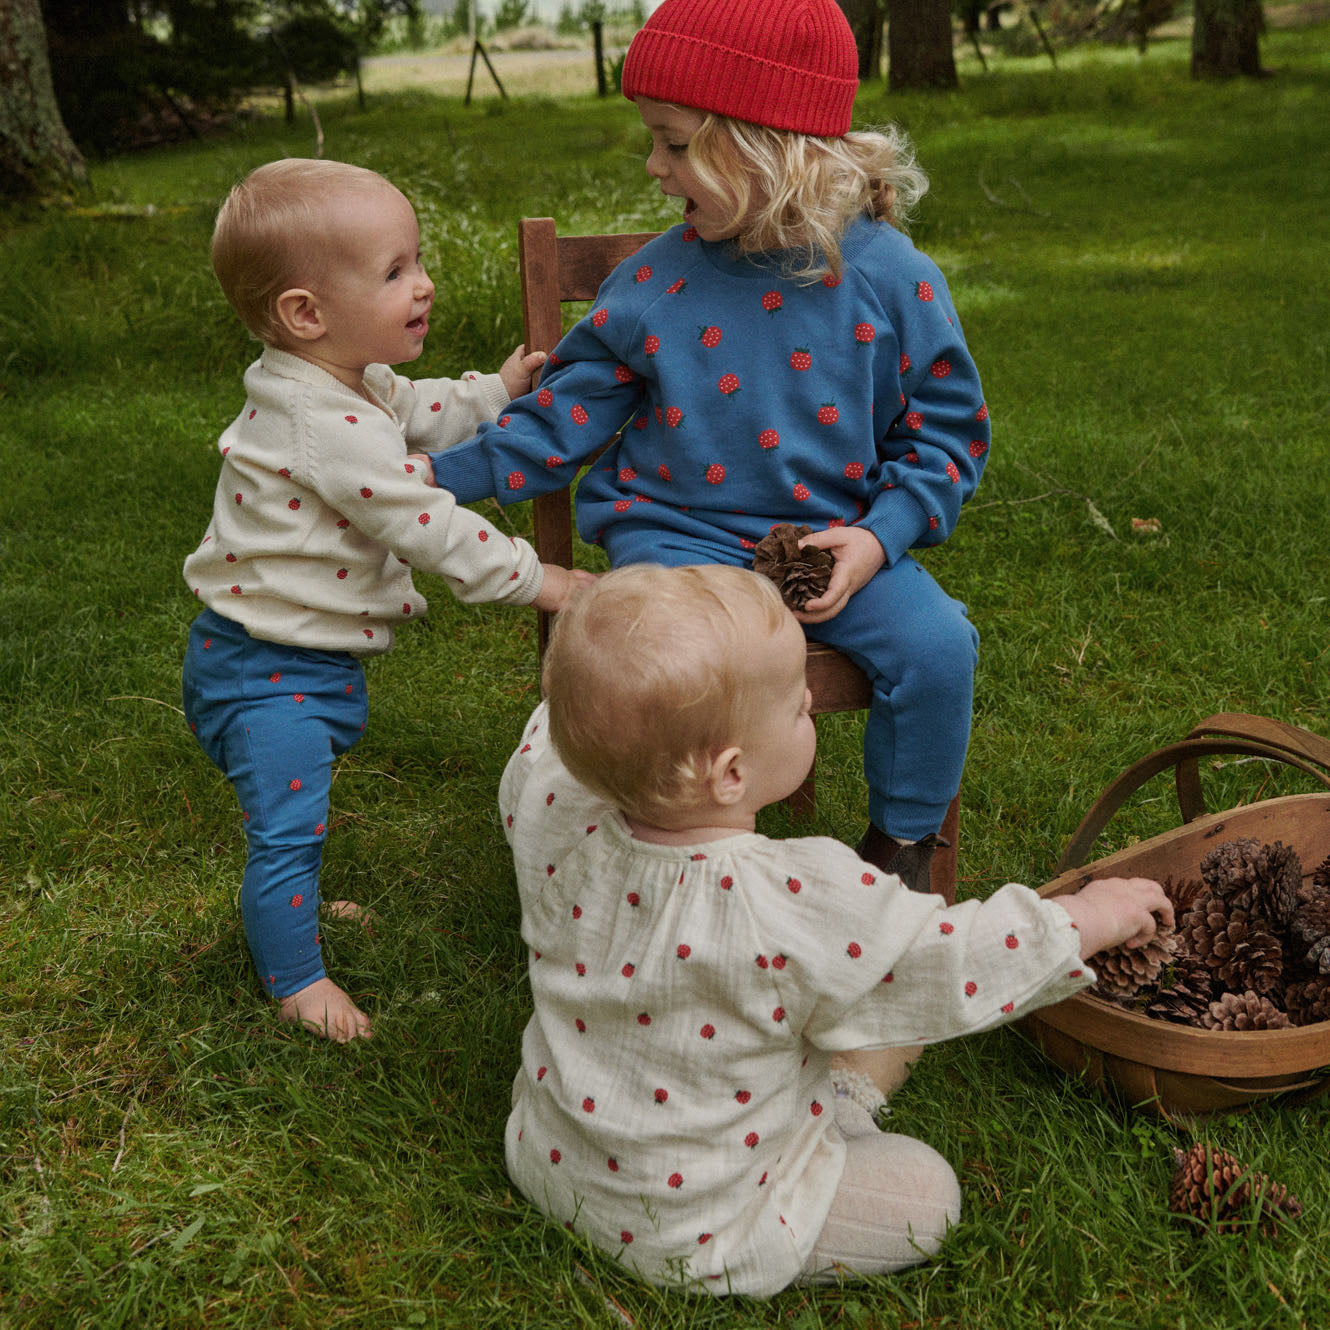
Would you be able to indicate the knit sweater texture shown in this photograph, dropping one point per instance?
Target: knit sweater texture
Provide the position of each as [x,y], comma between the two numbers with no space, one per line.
[747,398]
[318,516]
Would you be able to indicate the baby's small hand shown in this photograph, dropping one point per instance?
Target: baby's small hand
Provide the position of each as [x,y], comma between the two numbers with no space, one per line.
[1116,911]
[517,370]
[423,468]
[559,585]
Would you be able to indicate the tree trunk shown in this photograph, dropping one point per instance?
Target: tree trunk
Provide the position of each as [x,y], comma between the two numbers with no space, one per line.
[37,156]
[1225,38]
[865,19]
[919,53]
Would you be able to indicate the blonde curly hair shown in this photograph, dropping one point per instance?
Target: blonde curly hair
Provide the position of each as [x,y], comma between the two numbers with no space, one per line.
[797,192]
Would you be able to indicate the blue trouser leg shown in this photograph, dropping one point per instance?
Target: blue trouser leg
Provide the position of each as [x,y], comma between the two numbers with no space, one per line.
[918,649]
[273,718]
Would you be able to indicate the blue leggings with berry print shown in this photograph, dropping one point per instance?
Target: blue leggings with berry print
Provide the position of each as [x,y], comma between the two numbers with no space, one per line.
[274,718]
[918,649]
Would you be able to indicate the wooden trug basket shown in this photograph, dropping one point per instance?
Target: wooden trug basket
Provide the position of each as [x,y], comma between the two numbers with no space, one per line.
[1178,1071]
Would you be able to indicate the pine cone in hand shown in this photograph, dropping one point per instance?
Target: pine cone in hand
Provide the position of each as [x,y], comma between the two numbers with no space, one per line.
[1240,949]
[1211,1186]
[1186,989]
[1261,879]
[800,574]
[1243,1011]
[1125,971]
[1308,1000]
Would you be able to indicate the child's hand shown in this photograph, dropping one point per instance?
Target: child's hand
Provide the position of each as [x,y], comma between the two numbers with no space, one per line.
[1114,911]
[517,370]
[858,556]
[424,468]
[559,585]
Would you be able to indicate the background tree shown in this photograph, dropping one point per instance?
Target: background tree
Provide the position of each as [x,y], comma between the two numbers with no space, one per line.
[865,19]
[1225,39]
[37,155]
[919,53]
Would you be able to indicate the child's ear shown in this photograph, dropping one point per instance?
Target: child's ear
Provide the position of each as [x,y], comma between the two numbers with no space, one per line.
[298,313]
[727,777]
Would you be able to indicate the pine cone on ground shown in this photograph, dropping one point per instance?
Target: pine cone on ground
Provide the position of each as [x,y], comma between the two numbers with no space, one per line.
[1211,1186]
[1261,879]
[1310,928]
[800,574]
[1244,1011]
[1125,971]
[1240,949]
[1308,1000]
[1186,989]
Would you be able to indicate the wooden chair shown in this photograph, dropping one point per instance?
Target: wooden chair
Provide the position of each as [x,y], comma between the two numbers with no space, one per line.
[559,269]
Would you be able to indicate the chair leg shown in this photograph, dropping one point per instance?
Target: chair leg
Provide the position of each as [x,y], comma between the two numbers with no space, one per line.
[942,869]
[803,802]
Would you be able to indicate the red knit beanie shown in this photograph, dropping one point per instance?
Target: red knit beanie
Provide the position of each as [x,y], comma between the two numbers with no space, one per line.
[787,64]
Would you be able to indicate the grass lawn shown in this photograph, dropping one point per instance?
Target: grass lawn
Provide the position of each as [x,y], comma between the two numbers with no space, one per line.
[1140,262]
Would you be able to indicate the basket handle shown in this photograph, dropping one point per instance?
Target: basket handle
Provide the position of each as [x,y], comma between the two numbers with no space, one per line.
[1228,732]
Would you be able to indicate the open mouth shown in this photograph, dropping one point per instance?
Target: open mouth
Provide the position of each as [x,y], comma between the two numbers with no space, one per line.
[419,327]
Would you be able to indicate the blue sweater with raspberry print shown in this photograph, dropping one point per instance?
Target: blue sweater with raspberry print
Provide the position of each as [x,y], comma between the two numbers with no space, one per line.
[747,399]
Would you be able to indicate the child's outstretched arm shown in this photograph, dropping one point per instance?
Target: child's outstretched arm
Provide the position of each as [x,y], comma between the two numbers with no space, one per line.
[1114,911]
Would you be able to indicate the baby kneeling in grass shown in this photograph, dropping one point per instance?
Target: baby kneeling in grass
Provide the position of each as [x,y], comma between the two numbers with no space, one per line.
[692,979]
[319,516]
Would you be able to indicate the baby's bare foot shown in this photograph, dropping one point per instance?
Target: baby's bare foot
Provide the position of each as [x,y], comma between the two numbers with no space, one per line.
[325,1009]
[350,910]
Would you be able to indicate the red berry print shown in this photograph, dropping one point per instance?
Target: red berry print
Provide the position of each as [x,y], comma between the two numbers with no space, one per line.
[864,333]
[1008,1008]
[924,291]
[726,882]
[555,1156]
[953,473]
[854,471]
[675,1180]
[778,961]
[940,368]
[1075,974]
[769,439]
[1012,941]
[295,784]
[715,473]
[729,384]
[297,697]
[350,420]
[516,480]
[815,1109]
[627,475]
[624,374]
[800,359]
[946,929]
[831,281]
[581,970]
[294,505]
[612,1164]
[778,1015]
[673,417]
[423,519]
[664,472]
[240,498]
[912,458]
[297,901]
[709,336]
[643,274]
[905,362]
[643,1018]
[772,301]
[794,885]
[761,961]
[914,420]
[743,1096]
[661,1095]
[275,678]
[827,414]
[683,951]
[580,1025]
[598,319]
[436,406]
[933,523]
[868,879]
[801,492]
[625,1237]
[577,911]
[982,413]
[640,422]
[544,397]
[366,492]
[588,1105]
[579,414]
[708,1031]
[889,977]
[675,287]
[651,345]
[628,970]
[703,1238]
[751,1140]
[971,988]
[978,448]
[622,505]
[690,234]
[854,951]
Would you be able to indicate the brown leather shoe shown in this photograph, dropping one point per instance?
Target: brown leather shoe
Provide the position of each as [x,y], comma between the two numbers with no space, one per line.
[911,863]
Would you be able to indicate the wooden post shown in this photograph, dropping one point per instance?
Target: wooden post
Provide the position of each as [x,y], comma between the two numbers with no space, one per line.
[598,41]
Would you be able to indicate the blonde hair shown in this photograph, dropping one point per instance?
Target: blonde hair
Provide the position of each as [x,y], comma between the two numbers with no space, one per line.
[648,677]
[276,230]
[798,192]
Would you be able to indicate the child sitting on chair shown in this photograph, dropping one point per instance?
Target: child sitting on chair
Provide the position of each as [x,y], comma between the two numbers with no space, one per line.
[318,519]
[691,978]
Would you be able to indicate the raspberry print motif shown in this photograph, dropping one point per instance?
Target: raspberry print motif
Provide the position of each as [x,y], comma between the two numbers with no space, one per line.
[515,480]
[924,291]
[661,1095]
[854,951]
[651,345]
[953,473]
[978,448]
[624,374]
[800,358]
[940,368]
[914,420]
[579,414]
[544,397]
[905,362]
[801,493]
[715,473]
[751,1140]
[664,472]
[709,336]
[854,471]
[673,417]
[729,384]
[982,413]
[864,333]
[708,1031]
[690,234]
[827,414]
[600,317]
[769,439]
[293,505]
[643,274]
[772,301]
[675,1180]
[675,287]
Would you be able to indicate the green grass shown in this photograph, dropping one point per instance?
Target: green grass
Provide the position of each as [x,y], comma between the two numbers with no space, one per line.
[1140,263]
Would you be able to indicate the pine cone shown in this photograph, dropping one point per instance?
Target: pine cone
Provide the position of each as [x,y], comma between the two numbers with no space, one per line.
[1261,879]
[1186,989]
[1243,1011]
[1211,1186]
[1183,892]
[1310,927]
[1308,1000]
[1125,971]
[801,574]
[1321,876]
[1240,949]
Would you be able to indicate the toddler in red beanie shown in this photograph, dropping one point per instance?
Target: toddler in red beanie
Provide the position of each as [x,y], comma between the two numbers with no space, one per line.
[784,354]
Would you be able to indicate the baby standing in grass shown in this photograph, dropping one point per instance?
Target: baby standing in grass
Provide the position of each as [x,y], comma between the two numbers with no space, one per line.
[783,355]
[691,979]
[318,518]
